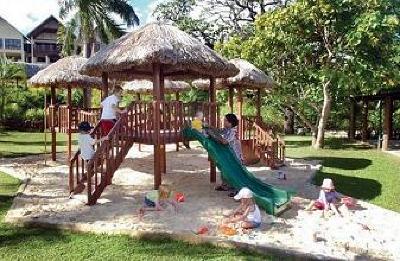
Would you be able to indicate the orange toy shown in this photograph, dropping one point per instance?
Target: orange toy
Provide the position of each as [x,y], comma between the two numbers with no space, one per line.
[227,231]
[179,197]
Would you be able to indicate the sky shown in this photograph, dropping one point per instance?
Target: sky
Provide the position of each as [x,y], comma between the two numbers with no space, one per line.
[27,14]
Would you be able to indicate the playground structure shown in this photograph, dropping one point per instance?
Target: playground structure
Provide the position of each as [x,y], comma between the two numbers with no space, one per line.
[64,74]
[141,88]
[156,52]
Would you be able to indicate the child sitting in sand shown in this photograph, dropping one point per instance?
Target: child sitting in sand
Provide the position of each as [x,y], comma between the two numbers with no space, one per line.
[86,142]
[248,214]
[230,136]
[156,200]
[327,199]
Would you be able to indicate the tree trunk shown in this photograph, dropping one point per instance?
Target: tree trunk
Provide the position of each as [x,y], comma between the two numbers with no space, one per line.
[87,92]
[326,109]
[289,121]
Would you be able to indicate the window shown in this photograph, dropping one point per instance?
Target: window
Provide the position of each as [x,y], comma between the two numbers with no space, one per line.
[41,59]
[13,44]
[1,43]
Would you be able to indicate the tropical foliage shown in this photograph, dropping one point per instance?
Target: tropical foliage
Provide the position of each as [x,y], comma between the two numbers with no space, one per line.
[322,51]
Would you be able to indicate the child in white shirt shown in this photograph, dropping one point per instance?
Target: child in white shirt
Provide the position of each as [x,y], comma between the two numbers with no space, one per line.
[86,142]
[110,110]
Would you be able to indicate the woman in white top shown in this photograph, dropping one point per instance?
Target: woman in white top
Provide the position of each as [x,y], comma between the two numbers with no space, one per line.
[109,111]
[248,213]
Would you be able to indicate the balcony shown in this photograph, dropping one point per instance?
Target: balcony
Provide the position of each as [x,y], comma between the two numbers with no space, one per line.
[45,49]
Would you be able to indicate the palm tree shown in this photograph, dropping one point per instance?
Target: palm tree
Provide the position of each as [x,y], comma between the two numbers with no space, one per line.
[93,19]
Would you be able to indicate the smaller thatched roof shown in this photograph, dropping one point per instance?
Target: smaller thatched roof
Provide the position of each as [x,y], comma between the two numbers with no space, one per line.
[65,72]
[182,56]
[146,87]
[204,84]
[249,76]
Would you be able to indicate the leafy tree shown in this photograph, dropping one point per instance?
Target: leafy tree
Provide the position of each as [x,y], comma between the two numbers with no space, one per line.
[10,73]
[214,20]
[321,51]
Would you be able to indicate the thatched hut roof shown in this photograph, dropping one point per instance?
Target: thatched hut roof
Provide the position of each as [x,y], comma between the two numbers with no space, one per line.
[146,87]
[249,76]
[65,72]
[182,56]
[204,84]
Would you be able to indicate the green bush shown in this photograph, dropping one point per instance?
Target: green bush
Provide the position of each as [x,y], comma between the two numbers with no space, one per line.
[34,114]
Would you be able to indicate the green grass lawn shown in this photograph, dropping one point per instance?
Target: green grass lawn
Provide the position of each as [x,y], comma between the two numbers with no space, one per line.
[358,171]
[40,244]
[17,144]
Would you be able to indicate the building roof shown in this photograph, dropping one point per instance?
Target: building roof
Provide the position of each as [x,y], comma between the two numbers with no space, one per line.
[5,21]
[43,26]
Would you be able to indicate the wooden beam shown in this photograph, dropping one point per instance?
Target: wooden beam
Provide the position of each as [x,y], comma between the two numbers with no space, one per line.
[387,123]
[69,107]
[53,101]
[213,123]
[230,98]
[258,104]
[138,98]
[364,131]
[104,89]
[240,111]
[177,96]
[156,124]
[352,119]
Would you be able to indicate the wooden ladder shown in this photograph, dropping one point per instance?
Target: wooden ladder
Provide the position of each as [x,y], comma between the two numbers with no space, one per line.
[98,172]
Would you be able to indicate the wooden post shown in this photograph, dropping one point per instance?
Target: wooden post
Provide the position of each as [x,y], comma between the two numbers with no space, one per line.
[163,161]
[387,123]
[176,118]
[352,119]
[104,89]
[258,104]
[69,108]
[230,98]
[53,101]
[364,131]
[156,124]
[213,123]
[240,112]
[138,98]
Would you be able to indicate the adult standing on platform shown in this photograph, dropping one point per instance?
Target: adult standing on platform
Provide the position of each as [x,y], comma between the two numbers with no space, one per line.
[110,110]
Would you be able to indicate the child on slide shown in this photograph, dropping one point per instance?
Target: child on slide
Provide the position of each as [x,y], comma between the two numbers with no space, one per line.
[247,215]
[230,136]
[327,199]
[156,200]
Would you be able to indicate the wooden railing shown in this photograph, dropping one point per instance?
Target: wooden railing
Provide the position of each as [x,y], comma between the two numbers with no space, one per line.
[60,120]
[267,146]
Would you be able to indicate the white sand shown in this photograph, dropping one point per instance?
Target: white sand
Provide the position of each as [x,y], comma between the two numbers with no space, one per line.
[45,200]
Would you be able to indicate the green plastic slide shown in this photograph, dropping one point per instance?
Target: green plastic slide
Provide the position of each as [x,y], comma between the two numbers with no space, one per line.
[272,199]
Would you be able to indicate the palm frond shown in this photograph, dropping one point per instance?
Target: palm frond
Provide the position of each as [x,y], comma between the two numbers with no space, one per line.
[124,10]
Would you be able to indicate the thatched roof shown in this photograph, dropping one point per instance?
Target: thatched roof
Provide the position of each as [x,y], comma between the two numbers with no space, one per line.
[65,72]
[204,84]
[249,76]
[146,87]
[182,56]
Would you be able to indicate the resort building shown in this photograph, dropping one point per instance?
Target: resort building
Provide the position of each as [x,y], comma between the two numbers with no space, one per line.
[11,42]
[43,47]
